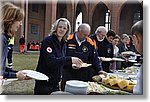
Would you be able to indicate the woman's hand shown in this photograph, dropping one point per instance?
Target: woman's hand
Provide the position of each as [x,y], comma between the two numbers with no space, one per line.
[22,76]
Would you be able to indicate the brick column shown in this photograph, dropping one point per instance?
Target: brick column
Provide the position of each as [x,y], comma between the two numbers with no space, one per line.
[50,16]
[115,17]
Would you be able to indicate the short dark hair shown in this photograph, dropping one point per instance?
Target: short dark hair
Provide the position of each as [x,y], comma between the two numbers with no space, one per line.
[111,33]
[137,28]
[116,37]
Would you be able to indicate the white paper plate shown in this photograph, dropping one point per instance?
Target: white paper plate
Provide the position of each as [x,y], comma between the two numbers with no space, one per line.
[128,53]
[132,61]
[83,65]
[106,59]
[36,75]
[117,59]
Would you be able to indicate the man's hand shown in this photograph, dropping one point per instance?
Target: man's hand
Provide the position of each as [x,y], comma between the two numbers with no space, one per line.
[103,72]
[76,62]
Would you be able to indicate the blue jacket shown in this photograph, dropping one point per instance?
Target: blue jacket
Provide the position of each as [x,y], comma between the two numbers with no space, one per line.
[6,72]
[87,53]
[51,60]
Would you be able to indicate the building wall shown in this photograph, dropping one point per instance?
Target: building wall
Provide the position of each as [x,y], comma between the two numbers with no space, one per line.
[121,15]
[37,18]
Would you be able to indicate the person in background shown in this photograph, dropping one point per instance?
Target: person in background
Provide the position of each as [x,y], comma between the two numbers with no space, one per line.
[10,51]
[98,37]
[11,19]
[137,32]
[52,57]
[123,46]
[28,45]
[22,44]
[81,46]
[115,65]
[104,45]
[131,46]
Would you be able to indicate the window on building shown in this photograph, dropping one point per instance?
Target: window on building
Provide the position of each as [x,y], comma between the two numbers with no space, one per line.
[137,17]
[35,29]
[78,21]
[107,20]
[35,8]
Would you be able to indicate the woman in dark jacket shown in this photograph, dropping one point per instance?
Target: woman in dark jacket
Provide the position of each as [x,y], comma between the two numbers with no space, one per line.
[52,58]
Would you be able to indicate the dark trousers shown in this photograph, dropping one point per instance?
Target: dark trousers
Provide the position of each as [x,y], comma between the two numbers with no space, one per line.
[45,89]
[105,66]
[83,74]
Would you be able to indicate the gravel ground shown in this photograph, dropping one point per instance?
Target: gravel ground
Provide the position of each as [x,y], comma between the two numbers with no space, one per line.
[25,87]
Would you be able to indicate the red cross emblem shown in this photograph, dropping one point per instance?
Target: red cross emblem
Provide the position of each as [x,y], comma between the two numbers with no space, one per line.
[49,50]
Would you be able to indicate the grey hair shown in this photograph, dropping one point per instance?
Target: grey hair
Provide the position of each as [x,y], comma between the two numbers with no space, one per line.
[101,29]
[55,26]
[83,25]
[124,36]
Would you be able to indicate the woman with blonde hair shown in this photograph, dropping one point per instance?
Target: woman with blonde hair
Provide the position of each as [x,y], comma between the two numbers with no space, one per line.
[11,19]
[52,57]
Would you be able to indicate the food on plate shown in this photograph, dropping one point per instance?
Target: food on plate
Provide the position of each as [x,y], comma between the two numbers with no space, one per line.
[108,80]
[103,80]
[132,83]
[129,87]
[85,65]
[94,87]
[114,82]
[123,83]
[96,78]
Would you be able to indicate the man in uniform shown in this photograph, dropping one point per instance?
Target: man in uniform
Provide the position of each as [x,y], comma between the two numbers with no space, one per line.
[103,41]
[81,46]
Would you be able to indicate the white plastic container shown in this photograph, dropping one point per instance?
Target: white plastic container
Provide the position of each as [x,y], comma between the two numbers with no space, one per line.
[76,87]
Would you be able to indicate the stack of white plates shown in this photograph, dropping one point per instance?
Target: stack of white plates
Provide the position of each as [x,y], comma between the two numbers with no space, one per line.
[76,87]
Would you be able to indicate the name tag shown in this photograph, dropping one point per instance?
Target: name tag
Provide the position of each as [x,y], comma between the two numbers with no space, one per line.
[72,47]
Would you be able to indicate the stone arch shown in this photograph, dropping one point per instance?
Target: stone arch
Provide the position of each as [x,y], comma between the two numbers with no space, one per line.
[81,7]
[61,10]
[98,17]
[65,9]
[127,12]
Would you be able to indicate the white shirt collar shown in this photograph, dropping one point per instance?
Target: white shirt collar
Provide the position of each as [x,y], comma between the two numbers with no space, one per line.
[78,41]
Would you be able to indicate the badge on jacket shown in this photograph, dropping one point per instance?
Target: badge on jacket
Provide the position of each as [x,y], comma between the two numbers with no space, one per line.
[84,49]
[108,50]
[49,50]
[71,46]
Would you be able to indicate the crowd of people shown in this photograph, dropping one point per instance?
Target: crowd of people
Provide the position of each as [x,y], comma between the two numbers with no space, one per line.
[62,49]
[32,46]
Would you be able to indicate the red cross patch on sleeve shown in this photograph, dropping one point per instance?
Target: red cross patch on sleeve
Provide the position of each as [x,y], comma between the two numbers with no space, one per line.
[49,50]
